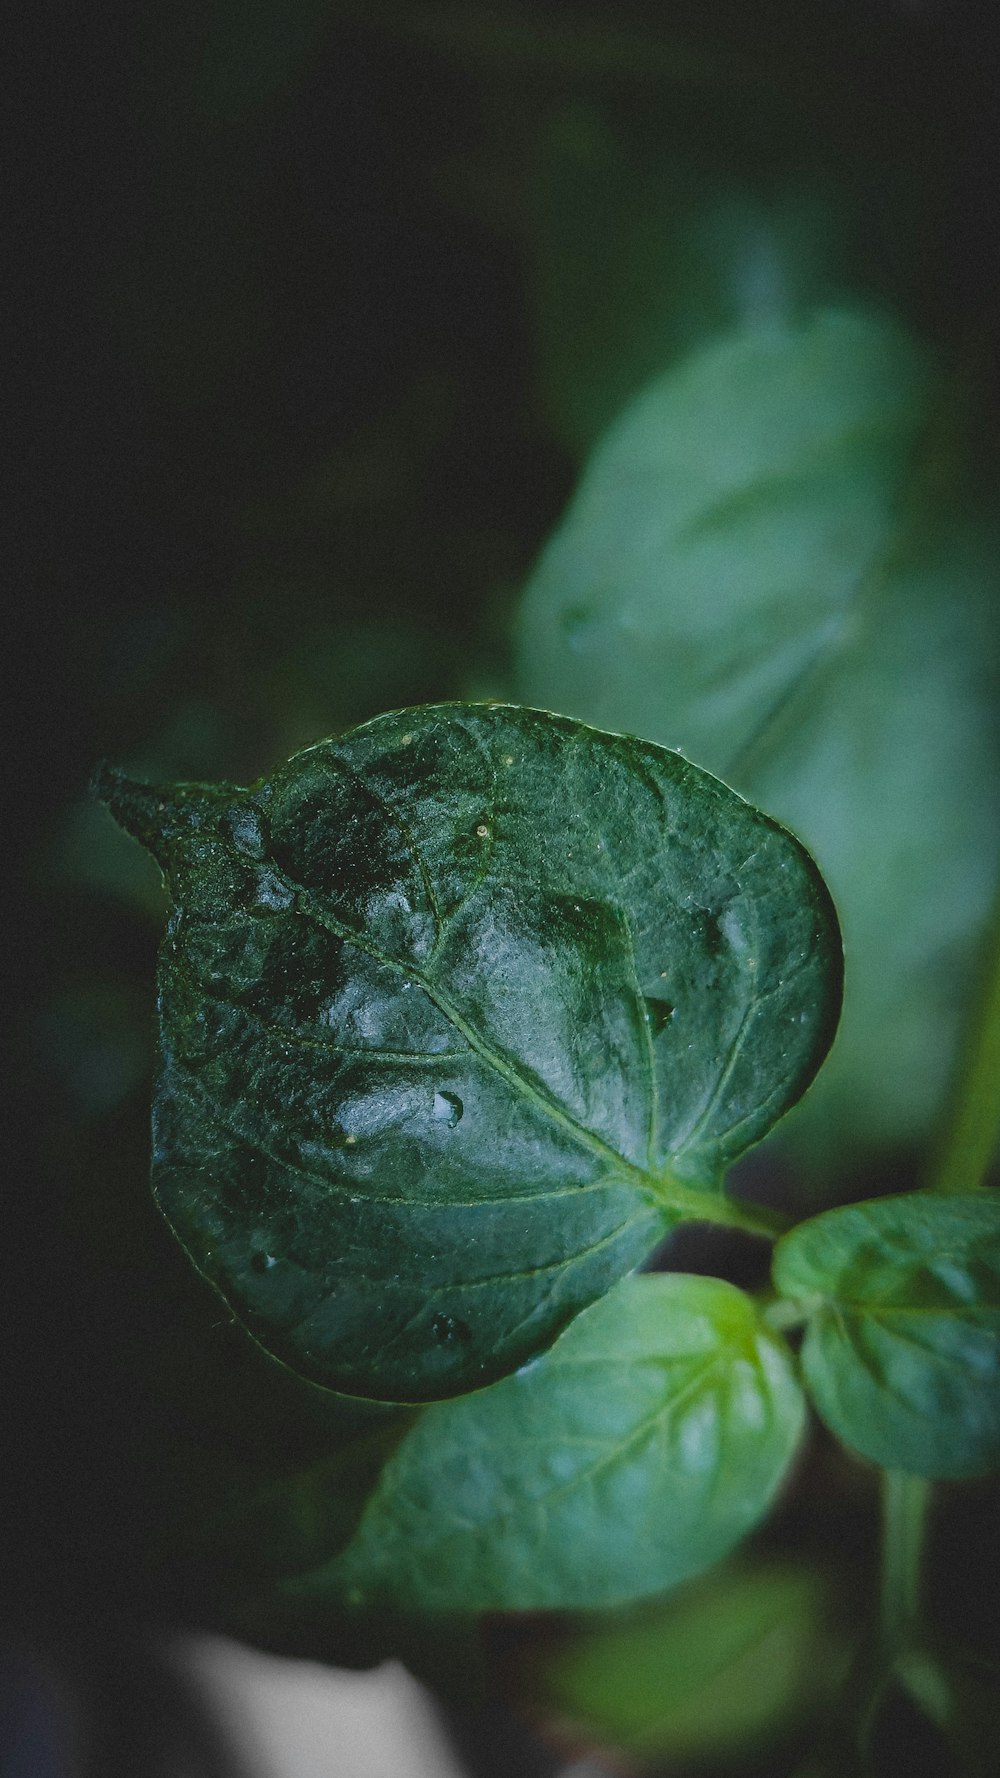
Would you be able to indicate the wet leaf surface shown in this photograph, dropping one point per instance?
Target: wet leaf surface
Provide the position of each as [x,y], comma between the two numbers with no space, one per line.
[460,1014]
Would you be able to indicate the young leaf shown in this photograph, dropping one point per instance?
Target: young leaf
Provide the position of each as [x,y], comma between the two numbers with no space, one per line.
[459,1014]
[902,1348]
[636,1452]
[757,569]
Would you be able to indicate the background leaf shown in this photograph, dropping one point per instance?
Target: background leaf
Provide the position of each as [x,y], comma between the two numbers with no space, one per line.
[695,254]
[459,1015]
[756,569]
[636,1452]
[289,442]
[902,1349]
[726,1666]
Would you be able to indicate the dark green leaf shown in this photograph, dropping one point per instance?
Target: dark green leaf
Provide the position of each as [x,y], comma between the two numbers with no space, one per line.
[756,570]
[902,1350]
[642,1447]
[459,1014]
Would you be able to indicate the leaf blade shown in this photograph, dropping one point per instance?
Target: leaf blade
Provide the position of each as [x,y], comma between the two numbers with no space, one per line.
[752,570]
[902,1349]
[408,1053]
[636,1452]
[725,1665]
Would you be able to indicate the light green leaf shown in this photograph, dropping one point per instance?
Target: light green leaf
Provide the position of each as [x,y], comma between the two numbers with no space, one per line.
[459,1014]
[636,1452]
[750,572]
[718,1670]
[902,1348]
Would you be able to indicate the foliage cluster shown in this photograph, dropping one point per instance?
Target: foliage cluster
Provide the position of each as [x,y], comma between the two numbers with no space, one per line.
[408,359]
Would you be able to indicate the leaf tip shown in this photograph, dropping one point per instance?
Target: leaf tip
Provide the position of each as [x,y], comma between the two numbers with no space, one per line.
[136,807]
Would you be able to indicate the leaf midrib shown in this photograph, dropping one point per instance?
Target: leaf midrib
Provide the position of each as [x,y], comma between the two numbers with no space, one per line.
[834,644]
[656,1185]
[661,1187]
[354,1192]
[880,1311]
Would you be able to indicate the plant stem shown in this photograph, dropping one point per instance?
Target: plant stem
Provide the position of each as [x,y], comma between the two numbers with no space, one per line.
[782,1314]
[970,1127]
[710,1206]
[905,1499]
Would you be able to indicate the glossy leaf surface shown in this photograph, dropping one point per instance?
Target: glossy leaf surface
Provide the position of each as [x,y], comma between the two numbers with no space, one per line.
[634,1453]
[759,567]
[459,1014]
[902,1349]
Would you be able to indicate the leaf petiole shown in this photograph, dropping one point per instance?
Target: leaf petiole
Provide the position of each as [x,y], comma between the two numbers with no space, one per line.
[783,1315]
[733,1213]
[970,1126]
[905,1500]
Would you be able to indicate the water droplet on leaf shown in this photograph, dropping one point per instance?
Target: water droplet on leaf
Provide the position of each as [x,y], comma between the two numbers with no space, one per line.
[448,1329]
[244,825]
[272,893]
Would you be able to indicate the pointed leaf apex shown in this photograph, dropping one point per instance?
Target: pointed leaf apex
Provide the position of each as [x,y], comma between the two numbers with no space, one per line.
[152,813]
[136,807]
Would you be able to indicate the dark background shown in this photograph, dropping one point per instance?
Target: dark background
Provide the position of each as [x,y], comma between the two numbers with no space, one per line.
[286,435]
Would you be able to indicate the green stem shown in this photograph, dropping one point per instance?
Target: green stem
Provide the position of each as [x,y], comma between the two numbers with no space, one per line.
[905,1499]
[970,1127]
[783,1314]
[710,1206]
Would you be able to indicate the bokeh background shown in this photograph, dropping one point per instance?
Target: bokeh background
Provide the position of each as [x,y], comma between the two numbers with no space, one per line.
[319,312]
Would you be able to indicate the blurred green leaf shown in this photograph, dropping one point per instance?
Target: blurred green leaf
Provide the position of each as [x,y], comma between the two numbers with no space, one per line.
[459,1015]
[637,258]
[636,1452]
[902,1347]
[736,1660]
[750,572]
